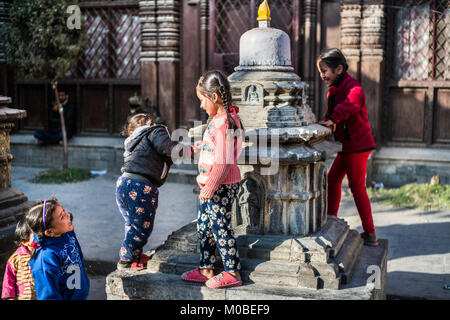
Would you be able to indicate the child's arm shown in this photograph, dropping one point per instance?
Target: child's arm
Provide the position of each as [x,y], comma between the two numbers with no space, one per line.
[223,155]
[353,103]
[46,279]
[164,145]
[9,282]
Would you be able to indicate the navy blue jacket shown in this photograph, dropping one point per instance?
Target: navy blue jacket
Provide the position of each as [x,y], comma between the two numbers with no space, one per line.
[58,269]
[148,152]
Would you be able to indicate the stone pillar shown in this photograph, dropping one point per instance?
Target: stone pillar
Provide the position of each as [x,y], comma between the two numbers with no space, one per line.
[13,203]
[149,46]
[160,56]
[309,45]
[168,20]
[204,34]
[373,32]
[350,42]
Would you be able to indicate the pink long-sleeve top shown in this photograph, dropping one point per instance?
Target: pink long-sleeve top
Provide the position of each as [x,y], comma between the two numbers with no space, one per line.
[218,155]
[18,281]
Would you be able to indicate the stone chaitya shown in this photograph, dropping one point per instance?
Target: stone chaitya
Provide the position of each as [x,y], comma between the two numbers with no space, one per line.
[13,203]
[287,245]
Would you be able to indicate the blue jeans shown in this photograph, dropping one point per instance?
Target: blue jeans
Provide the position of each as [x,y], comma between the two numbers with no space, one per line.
[52,136]
[215,230]
[137,201]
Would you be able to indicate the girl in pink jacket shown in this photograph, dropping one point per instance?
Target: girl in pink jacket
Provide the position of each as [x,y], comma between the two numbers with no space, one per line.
[219,178]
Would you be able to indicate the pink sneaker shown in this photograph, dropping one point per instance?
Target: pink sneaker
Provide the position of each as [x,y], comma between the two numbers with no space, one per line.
[223,280]
[194,276]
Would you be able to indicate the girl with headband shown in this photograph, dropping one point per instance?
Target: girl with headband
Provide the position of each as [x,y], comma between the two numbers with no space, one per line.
[57,265]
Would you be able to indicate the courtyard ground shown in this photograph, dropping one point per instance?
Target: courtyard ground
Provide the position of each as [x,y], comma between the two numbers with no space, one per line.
[419,241]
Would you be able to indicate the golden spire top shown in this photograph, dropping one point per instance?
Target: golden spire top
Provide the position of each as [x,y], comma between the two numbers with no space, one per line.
[264,11]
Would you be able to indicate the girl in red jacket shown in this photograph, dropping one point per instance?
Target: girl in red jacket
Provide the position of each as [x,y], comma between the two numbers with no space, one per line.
[347,116]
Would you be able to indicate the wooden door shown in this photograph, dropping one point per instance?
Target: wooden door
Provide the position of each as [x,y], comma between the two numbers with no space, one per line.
[417,99]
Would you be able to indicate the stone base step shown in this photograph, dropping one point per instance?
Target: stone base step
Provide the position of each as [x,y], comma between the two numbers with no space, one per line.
[13,205]
[349,254]
[11,197]
[273,272]
[12,215]
[155,285]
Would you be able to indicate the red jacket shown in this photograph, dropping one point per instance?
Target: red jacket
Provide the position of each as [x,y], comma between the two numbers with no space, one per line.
[350,110]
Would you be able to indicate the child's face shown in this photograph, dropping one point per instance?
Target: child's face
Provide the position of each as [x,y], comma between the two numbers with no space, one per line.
[30,240]
[206,103]
[328,74]
[61,223]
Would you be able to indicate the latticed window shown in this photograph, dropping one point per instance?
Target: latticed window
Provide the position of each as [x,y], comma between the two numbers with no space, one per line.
[234,17]
[113,46]
[421,40]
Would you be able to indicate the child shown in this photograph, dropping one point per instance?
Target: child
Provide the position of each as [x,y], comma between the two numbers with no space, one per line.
[347,115]
[147,160]
[57,265]
[18,283]
[219,180]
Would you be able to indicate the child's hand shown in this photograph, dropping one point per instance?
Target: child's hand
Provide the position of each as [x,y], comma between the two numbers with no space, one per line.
[197,146]
[328,123]
[203,198]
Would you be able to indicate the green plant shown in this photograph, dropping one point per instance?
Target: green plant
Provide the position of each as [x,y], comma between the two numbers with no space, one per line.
[59,176]
[414,195]
[39,44]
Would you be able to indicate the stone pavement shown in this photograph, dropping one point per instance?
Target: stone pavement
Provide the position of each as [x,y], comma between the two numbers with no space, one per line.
[419,242]
[98,223]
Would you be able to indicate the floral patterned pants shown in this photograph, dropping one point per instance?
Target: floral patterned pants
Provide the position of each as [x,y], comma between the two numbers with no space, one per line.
[137,201]
[215,230]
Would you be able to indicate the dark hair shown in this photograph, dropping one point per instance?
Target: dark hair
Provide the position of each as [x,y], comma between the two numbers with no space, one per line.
[333,58]
[34,217]
[215,81]
[22,233]
[135,121]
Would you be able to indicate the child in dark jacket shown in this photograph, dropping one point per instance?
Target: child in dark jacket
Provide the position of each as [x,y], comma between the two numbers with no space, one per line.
[347,116]
[57,265]
[147,160]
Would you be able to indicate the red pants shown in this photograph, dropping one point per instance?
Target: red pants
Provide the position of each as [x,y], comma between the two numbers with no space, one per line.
[354,165]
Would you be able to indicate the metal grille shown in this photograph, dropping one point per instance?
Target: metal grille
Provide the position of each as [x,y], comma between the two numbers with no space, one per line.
[421,40]
[283,16]
[232,20]
[234,17]
[113,47]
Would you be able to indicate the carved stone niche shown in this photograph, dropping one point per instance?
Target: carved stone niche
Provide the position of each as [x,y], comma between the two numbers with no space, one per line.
[248,209]
[253,94]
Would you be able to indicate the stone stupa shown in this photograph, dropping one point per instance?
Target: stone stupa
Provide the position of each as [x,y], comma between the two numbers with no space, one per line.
[288,247]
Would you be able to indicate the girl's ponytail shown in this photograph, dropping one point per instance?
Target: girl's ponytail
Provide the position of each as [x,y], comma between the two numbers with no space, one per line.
[215,81]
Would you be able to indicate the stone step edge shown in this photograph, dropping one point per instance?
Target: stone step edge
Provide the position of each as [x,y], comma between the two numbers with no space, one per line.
[349,254]
[120,286]
[11,216]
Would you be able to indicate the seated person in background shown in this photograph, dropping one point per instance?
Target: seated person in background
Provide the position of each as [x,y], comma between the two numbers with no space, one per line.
[54,133]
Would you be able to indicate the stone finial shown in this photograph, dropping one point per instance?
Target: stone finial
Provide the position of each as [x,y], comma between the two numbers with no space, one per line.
[264,15]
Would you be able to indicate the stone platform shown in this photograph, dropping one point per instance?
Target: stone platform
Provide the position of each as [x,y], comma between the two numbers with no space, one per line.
[330,264]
